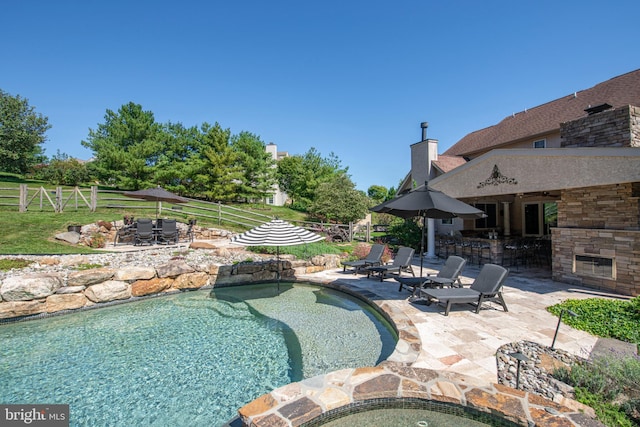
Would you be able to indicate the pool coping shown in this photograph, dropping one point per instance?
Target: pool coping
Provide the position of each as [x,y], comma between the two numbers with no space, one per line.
[394,378]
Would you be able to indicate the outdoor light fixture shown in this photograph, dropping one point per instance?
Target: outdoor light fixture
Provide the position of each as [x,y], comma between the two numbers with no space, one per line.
[571,313]
[520,358]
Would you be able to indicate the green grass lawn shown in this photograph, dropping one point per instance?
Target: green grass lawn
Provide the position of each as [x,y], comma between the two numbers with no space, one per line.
[33,232]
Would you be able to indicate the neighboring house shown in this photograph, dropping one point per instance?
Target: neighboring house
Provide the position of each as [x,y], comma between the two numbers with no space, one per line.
[567,170]
[278,197]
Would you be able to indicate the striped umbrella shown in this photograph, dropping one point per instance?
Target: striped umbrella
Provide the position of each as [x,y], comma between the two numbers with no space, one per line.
[276,233]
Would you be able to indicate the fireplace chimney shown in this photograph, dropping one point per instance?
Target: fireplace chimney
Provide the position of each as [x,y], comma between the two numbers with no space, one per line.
[424,126]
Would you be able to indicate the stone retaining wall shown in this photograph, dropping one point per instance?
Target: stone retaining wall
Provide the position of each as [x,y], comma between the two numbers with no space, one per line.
[49,292]
[601,221]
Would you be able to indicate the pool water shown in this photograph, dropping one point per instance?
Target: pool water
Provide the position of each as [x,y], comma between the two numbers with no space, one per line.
[188,359]
[403,418]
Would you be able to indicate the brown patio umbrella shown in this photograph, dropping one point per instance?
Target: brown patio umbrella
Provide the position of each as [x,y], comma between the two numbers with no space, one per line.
[156,194]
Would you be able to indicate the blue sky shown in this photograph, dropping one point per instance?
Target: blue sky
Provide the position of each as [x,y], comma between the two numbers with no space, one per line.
[354,78]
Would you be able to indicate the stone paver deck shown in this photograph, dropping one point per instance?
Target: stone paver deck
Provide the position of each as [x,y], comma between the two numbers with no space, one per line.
[443,358]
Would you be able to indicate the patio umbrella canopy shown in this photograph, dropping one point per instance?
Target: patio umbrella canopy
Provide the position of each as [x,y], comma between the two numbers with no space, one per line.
[276,233]
[427,203]
[156,194]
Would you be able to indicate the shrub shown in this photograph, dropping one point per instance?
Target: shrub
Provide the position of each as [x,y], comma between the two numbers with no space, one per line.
[361,251]
[97,240]
[406,232]
[602,317]
[609,384]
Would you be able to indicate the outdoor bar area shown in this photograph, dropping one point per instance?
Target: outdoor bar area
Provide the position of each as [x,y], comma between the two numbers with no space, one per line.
[496,249]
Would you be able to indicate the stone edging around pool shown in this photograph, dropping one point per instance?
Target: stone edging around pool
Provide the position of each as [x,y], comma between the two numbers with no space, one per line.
[300,402]
[44,293]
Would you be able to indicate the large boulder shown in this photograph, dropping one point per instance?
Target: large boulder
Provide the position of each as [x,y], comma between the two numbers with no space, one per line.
[12,309]
[231,280]
[202,245]
[174,269]
[249,267]
[70,290]
[149,287]
[90,277]
[110,290]
[30,286]
[61,302]
[191,281]
[264,276]
[135,273]
[69,237]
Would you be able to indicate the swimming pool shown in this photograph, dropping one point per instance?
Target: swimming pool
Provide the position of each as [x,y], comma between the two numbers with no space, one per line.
[191,358]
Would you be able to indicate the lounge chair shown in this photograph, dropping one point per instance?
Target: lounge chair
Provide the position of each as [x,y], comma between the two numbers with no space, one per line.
[372,259]
[486,287]
[144,232]
[401,262]
[447,276]
[168,232]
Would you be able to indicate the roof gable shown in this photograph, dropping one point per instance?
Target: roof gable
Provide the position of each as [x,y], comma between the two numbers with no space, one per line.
[546,118]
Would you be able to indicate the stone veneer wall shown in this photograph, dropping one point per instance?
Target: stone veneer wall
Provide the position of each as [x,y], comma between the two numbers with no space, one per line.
[39,293]
[599,221]
[618,127]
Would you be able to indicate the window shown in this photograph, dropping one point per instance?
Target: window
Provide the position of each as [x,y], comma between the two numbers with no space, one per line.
[447,221]
[541,143]
[594,266]
[491,220]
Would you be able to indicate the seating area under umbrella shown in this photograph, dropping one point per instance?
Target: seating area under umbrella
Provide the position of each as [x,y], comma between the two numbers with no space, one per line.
[427,203]
[158,195]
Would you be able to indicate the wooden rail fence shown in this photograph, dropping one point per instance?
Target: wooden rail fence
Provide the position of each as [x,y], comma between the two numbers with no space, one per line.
[57,200]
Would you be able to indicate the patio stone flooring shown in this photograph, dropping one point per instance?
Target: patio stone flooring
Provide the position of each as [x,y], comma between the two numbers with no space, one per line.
[443,358]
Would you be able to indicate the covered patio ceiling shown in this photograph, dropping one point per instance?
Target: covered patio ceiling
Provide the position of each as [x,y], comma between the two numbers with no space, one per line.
[519,171]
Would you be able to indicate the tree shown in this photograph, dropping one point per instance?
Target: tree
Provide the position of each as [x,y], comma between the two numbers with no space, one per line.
[258,176]
[300,176]
[126,147]
[377,193]
[22,133]
[338,200]
[65,170]
[219,177]
[180,158]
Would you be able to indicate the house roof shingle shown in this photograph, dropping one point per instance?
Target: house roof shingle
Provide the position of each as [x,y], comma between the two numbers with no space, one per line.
[618,92]
[448,163]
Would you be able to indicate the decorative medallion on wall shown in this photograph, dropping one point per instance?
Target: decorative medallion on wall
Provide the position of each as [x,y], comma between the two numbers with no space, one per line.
[497,178]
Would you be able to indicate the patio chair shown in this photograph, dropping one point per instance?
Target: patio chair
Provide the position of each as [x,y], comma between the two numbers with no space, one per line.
[372,259]
[189,233]
[168,232]
[447,276]
[126,233]
[401,262]
[486,287]
[144,232]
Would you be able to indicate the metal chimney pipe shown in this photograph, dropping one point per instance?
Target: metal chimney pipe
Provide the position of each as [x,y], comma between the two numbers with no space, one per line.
[424,126]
